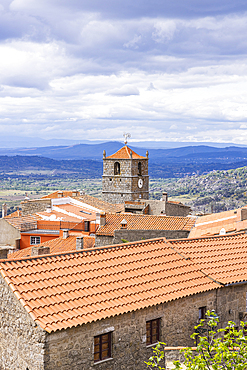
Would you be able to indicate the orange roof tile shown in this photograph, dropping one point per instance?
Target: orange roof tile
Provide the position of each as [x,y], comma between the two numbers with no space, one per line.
[66,290]
[124,153]
[213,223]
[224,258]
[145,222]
[90,200]
[85,213]
[57,245]
[23,222]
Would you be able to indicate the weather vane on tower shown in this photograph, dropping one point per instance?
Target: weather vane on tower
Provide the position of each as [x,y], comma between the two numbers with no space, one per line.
[126,137]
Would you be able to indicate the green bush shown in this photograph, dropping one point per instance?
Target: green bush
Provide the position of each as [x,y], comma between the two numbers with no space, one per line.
[218,349]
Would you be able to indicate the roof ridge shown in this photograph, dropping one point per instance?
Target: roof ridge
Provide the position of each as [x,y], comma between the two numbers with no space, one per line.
[87,250]
[206,237]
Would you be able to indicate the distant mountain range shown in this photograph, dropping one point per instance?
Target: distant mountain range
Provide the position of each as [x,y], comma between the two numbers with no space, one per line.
[192,154]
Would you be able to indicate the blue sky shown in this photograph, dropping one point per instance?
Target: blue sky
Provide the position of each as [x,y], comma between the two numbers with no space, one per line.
[87,70]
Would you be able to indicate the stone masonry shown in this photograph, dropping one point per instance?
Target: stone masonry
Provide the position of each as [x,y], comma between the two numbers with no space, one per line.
[29,207]
[25,346]
[73,348]
[124,186]
[22,341]
[135,235]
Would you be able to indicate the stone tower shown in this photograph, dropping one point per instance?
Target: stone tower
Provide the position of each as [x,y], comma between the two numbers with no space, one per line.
[125,176]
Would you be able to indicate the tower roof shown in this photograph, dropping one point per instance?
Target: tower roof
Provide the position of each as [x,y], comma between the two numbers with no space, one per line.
[124,153]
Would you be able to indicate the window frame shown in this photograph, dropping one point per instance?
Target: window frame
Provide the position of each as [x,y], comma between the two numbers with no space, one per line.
[117,169]
[36,238]
[151,330]
[101,350]
[202,313]
[87,226]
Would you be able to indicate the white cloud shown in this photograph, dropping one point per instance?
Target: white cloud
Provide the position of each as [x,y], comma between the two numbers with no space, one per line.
[72,69]
[124,91]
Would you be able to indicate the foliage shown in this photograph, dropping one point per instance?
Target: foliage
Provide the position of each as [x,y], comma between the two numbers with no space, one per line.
[218,349]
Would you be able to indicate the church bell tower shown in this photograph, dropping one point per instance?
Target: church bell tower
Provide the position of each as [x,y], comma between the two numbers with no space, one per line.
[125,176]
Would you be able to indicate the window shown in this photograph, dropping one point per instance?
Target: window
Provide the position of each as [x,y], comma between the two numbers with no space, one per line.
[202,313]
[86,226]
[116,168]
[102,347]
[139,168]
[35,240]
[153,331]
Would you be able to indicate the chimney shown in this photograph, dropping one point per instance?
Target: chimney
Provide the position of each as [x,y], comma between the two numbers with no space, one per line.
[48,209]
[102,219]
[4,210]
[97,218]
[243,214]
[104,154]
[18,211]
[59,194]
[79,243]
[37,251]
[164,197]
[222,231]
[75,193]
[123,224]
[3,253]
[65,233]
[147,154]
[131,154]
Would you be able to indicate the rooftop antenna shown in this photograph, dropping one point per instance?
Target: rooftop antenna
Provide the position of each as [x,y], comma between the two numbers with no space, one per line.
[126,137]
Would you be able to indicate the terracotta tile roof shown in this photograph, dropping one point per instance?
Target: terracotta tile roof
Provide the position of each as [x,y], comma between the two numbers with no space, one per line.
[124,153]
[58,245]
[23,222]
[145,222]
[14,214]
[84,213]
[91,201]
[66,290]
[224,258]
[213,223]
[57,216]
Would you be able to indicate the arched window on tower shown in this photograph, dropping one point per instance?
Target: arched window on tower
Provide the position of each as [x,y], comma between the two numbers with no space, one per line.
[116,168]
[139,168]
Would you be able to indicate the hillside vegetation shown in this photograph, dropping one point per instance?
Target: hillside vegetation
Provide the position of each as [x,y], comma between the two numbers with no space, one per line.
[216,191]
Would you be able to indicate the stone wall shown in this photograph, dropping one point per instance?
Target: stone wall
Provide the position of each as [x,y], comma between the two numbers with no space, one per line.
[173,209]
[134,235]
[157,207]
[8,234]
[29,207]
[124,187]
[22,342]
[73,348]
[101,240]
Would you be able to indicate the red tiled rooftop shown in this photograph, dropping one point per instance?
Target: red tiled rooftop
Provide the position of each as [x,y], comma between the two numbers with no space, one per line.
[224,258]
[23,221]
[58,245]
[213,223]
[145,222]
[66,290]
[90,200]
[124,153]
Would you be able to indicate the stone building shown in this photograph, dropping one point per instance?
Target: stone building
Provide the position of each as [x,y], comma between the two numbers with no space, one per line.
[125,176]
[104,308]
[116,228]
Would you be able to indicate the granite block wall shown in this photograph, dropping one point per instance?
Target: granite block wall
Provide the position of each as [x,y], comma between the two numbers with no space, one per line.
[73,348]
[22,341]
[32,206]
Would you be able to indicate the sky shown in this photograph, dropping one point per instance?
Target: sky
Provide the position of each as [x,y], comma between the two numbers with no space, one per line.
[92,70]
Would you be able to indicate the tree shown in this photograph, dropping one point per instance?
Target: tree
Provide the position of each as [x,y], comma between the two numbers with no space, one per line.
[217,349]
